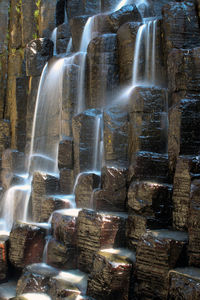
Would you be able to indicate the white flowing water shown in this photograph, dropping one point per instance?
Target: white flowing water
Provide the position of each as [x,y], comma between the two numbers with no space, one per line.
[53,38]
[69,47]
[97,159]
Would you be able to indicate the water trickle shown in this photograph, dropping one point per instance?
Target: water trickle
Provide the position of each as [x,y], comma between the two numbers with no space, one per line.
[69,47]
[97,148]
[53,38]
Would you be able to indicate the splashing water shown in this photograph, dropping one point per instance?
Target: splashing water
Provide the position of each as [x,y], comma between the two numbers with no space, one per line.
[53,38]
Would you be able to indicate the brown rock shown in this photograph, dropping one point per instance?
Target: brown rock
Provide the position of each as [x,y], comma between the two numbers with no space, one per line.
[150,166]
[180,26]
[52,203]
[86,183]
[96,230]
[111,273]
[26,244]
[84,129]
[183,69]
[66,181]
[15,39]
[29,10]
[37,53]
[43,185]
[3,258]
[148,120]
[77,26]
[63,36]
[4,135]
[35,278]
[65,153]
[64,226]
[103,69]
[184,283]
[157,253]
[109,200]
[47,18]
[61,256]
[115,123]
[194,225]
[186,169]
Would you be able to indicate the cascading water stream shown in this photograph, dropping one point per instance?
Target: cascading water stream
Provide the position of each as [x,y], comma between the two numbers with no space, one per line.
[53,38]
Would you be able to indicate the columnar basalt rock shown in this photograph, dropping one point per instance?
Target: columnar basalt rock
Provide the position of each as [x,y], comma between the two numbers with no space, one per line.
[77,26]
[86,183]
[187,168]
[183,280]
[5,141]
[148,120]
[52,203]
[3,258]
[157,253]
[26,244]
[115,124]
[35,278]
[43,185]
[111,275]
[102,69]
[47,20]
[63,37]
[29,16]
[96,230]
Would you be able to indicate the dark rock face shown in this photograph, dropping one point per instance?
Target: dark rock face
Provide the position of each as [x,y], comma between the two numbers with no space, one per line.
[103,69]
[150,166]
[84,126]
[43,184]
[47,21]
[63,36]
[183,280]
[51,203]
[110,276]
[3,258]
[148,120]
[181,31]
[183,69]
[94,231]
[37,53]
[193,225]
[26,244]
[65,153]
[66,181]
[4,135]
[187,168]
[115,123]
[157,253]
[112,195]
[126,37]
[88,7]
[29,23]
[77,25]
[35,278]
[86,184]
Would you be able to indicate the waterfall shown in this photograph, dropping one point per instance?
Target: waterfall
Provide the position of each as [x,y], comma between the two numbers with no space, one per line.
[146,37]
[53,38]
[69,47]
[97,153]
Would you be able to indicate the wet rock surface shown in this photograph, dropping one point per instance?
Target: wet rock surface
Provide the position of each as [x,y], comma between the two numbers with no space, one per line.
[3,258]
[158,252]
[26,244]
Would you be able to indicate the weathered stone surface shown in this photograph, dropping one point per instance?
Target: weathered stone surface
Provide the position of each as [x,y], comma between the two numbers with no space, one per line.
[29,11]
[184,283]
[112,195]
[149,166]
[77,25]
[3,257]
[96,230]
[186,169]
[63,36]
[115,124]
[52,203]
[43,185]
[69,100]
[180,26]
[151,199]
[110,276]
[183,69]
[148,120]
[184,129]
[68,284]
[86,183]
[158,252]
[64,226]
[26,244]
[65,153]
[110,22]
[194,225]
[66,181]
[84,129]
[126,37]
[61,256]
[47,21]
[15,39]
[12,162]
[35,278]
[86,7]
[37,53]
[4,135]
[103,69]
